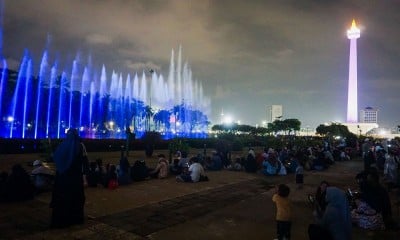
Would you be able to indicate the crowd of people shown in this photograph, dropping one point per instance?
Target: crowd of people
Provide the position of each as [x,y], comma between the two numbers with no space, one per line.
[95,173]
[335,211]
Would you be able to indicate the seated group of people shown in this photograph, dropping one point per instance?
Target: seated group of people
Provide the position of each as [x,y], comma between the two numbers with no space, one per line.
[372,208]
[288,160]
[193,173]
[179,163]
[16,185]
[270,162]
[272,165]
[189,170]
[336,211]
[111,176]
[19,185]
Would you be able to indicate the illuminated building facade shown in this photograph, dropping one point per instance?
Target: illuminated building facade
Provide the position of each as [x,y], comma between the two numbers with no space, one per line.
[369,115]
[274,112]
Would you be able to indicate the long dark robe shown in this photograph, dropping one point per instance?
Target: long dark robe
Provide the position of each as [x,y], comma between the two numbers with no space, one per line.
[68,196]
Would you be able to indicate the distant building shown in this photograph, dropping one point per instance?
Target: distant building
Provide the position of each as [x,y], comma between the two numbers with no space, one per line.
[369,115]
[274,112]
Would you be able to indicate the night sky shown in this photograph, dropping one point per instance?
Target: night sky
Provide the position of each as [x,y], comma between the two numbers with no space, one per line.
[247,54]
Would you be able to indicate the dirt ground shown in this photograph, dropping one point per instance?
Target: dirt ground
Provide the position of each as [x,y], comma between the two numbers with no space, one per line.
[232,205]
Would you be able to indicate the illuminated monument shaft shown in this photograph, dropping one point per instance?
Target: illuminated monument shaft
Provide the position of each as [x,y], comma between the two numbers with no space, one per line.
[353,33]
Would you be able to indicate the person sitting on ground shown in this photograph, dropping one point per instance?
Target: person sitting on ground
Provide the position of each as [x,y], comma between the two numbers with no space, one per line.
[250,164]
[376,196]
[335,222]
[336,152]
[283,155]
[328,157]
[281,168]
[174,167]
[299,176]
[364,216]
[270,165]
[207,162]
[111,177]
[260,159]
[380,157]
[19,186]
[161,170]
[139,171]
[291,164]
[92,177]
[320,198]
[202,158]
[319,162]
[101,171]
[344,156]
[216,162]
[193,174]
[369,158]
[235,165]
[178,155]
[42,177]
[123,169]
[390,173]
[309,159]
[183,161]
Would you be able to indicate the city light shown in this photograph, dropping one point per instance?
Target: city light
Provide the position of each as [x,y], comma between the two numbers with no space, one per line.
[228,120]
[10,119]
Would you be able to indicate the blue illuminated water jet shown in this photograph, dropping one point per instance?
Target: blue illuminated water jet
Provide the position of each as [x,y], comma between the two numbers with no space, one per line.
[98,104]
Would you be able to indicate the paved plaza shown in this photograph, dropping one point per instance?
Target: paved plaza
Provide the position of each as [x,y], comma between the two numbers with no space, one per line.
[232,205]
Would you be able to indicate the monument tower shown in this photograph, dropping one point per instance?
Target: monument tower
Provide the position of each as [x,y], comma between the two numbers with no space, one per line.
[355,125]
[352,107]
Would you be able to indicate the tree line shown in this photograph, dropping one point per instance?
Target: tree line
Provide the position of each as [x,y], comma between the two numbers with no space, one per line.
[283,127]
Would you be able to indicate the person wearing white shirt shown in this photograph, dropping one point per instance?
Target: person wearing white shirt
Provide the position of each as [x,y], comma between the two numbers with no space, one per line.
[193,173]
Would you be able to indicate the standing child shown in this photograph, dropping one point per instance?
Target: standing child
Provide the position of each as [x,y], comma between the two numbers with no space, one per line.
[299,176]
[283,211]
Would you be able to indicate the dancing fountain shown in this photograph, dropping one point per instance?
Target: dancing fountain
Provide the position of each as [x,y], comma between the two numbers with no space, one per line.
[98,104]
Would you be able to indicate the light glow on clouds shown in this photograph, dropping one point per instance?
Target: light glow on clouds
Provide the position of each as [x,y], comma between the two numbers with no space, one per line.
[247,54]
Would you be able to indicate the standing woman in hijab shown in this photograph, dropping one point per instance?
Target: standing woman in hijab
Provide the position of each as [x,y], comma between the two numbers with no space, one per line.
[68,197]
